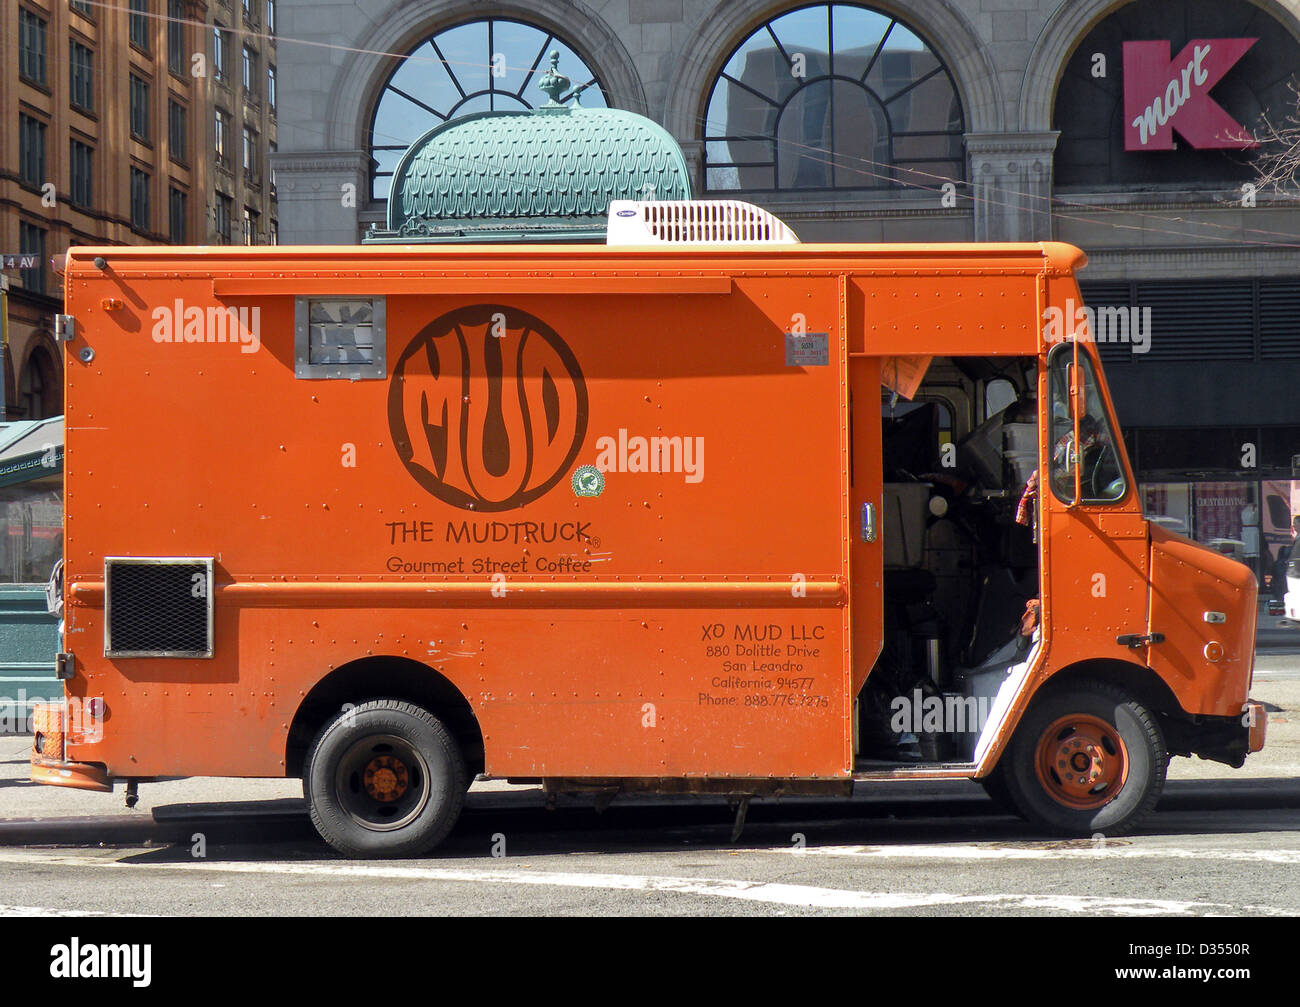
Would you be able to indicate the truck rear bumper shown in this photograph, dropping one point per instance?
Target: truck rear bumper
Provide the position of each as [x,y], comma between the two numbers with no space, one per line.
[78,775]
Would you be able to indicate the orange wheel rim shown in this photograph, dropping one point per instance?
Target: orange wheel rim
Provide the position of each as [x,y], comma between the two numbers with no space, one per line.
[385,778]
[1081,761]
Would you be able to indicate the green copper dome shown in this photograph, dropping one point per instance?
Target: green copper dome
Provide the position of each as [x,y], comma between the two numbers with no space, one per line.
[547,173]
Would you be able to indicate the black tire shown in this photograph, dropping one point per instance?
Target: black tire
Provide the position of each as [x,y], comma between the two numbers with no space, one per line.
[384,779]
[995,785]
[1115,747]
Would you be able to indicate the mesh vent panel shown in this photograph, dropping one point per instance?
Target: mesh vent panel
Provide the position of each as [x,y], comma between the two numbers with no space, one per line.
[158,608]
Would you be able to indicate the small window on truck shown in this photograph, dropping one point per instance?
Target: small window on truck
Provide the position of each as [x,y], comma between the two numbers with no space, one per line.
[1101,478]
[340,337]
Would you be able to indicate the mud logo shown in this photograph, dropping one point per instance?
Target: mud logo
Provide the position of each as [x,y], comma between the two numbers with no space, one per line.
[487,407]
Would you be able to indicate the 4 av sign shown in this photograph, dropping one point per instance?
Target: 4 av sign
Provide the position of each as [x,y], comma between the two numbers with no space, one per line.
[1162,95]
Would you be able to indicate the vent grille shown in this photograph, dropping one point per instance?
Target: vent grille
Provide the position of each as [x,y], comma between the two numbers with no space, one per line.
[1110,295]
[1279,320]
[1207,320]
[157,607]
[1247,320]
[694,222]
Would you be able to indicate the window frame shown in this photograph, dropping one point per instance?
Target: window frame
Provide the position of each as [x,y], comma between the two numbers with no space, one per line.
[304,368]
[172,193]
[31,128]
[446,113]
[893,168]
[220,53]
[30,21]
[178,152]
[222,123]
[140,181]
[88,66]
[138,86]
[249,70]
[221,202]
[1092,387]
[88,182]
[138,24]
[248,156]
[176,32]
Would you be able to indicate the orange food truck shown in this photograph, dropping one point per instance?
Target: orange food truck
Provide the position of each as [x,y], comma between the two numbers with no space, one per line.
[705,510]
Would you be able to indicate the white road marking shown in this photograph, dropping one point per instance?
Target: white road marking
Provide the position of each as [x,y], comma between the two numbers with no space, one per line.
[771,893]
[42,911]
[1100,851]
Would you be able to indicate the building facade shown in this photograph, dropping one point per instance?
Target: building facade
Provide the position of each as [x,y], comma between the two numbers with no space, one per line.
[145,121]
[1123,126]
[242,96]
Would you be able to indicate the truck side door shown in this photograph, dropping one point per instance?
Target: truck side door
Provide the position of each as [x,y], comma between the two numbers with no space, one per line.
[1095,590]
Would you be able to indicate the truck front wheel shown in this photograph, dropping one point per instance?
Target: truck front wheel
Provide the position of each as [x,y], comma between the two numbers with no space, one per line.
[385,779]
[1086,760]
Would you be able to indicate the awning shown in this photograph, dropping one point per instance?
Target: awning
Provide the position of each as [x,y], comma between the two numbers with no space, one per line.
[30,449]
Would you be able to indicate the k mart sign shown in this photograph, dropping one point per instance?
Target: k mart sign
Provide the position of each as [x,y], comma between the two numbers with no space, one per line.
[1163,95]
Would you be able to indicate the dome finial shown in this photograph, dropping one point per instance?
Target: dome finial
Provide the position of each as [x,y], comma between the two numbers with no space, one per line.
[553,82]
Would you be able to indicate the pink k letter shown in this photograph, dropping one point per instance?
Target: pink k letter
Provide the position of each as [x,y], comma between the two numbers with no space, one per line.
[1161,95]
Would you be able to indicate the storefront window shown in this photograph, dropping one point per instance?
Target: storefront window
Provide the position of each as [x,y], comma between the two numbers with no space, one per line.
[31,517]
[1250,521]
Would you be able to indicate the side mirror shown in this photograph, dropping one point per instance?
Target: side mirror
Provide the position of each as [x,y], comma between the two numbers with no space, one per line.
[1078,407]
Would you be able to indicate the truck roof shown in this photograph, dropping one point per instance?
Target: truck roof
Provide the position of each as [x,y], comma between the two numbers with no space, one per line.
[1053,257]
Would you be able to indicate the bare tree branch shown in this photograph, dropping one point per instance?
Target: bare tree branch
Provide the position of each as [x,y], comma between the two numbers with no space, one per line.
[1278,160]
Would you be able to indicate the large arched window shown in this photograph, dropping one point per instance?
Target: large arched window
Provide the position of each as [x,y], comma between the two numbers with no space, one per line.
[832,96]
[492,64]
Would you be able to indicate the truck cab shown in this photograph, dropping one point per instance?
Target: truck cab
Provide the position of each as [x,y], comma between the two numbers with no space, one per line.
[1049,603]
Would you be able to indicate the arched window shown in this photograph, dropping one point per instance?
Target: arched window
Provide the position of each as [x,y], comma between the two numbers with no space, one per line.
[832,96]
[492,64]
[39,394]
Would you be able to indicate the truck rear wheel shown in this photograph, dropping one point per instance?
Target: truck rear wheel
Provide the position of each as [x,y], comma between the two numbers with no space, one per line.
[1086,760]
[385,779]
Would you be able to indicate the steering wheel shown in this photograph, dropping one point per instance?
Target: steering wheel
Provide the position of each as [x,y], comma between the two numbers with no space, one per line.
[1099,487]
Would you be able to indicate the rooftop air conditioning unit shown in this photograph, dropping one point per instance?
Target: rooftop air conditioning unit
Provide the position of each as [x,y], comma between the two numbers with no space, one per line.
[694,222]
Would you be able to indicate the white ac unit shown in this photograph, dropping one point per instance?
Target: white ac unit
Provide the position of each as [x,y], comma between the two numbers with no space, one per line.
[694,222]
